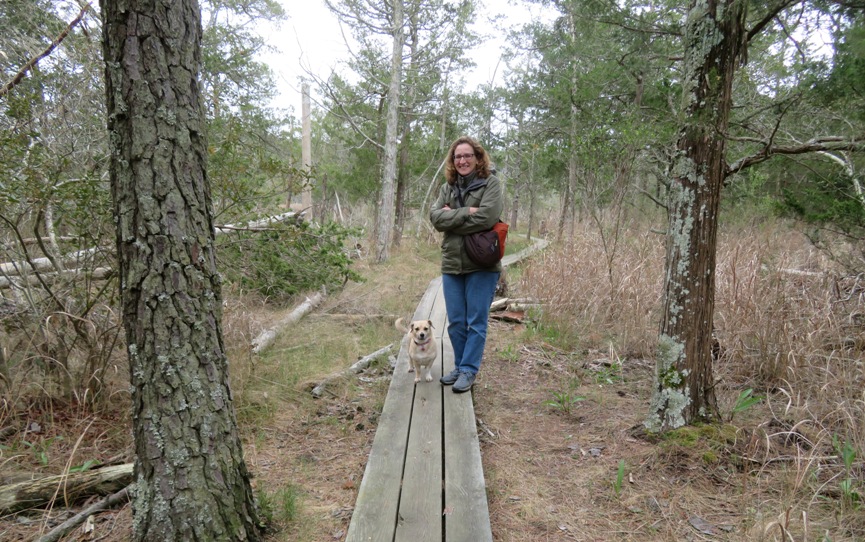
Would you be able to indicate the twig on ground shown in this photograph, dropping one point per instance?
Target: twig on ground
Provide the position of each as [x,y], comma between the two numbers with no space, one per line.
[111,501]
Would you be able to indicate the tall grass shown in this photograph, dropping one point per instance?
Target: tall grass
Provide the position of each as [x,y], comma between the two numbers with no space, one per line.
[790,326]
[600,305]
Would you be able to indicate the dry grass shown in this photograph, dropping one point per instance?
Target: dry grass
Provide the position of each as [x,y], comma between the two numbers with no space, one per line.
[307,455]
[596,303]
[772,472]
[789,329]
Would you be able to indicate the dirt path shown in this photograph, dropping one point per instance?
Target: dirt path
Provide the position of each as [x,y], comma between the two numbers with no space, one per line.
[551,468]
[563,455]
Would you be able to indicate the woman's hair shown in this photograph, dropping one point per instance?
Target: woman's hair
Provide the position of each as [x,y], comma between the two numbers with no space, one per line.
[483,166]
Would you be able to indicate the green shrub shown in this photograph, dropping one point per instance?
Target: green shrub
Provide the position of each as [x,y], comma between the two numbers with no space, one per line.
[287,259]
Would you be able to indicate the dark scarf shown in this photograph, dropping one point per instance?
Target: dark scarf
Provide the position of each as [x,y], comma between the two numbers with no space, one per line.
[466,184]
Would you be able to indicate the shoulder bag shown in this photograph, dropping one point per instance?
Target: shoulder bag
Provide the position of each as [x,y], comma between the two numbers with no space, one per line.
[487,248]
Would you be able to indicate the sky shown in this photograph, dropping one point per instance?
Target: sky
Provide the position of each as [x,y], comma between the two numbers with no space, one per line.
[311,39]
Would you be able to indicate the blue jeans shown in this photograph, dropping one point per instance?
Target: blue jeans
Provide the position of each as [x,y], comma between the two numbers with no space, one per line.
[467,301]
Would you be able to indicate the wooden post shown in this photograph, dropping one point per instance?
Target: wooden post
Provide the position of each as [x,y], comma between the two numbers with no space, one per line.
[306,147]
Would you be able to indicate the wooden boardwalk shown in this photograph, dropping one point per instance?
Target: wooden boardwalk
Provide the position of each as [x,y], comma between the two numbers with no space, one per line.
[424,479]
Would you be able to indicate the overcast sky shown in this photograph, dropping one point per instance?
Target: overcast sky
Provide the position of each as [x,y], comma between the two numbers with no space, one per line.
[311,39]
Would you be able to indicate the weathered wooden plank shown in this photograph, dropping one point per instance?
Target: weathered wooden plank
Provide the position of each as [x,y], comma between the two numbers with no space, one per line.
[375,512]
[537,245]
[432,301]
[405,464]
[420,510]
[466,513]
[439,313]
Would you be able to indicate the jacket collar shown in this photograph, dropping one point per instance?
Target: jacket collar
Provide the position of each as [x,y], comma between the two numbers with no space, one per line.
[465,181]
[466,184]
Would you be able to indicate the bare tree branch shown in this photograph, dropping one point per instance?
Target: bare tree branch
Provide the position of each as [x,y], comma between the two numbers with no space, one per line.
[802,55]
[820,144]
[112,501]
[350,119]
[772,12]
[33,61]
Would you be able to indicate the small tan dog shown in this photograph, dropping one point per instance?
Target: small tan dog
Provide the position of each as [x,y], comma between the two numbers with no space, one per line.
[422,350]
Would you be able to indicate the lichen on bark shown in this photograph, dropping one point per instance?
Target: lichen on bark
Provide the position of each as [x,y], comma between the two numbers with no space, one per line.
[671,394]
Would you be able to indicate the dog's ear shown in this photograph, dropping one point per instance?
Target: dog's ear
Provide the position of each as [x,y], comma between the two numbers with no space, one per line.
[411,327]
[430,323]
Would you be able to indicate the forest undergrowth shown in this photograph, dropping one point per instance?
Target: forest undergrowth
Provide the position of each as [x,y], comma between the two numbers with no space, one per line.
[560,402]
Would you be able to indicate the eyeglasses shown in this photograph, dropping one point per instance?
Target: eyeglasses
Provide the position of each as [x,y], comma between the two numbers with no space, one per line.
[458,157]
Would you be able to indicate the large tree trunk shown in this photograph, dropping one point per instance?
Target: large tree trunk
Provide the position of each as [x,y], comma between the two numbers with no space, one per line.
[385,219]
[684,390]
[191,481]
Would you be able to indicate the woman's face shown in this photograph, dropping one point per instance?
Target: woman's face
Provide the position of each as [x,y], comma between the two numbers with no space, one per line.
[465,160]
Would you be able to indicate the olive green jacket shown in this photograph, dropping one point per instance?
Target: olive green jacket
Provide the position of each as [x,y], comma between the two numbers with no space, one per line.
[486,195]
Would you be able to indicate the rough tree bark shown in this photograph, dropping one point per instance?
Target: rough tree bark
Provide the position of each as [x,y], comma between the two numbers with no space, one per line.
[191,481]
[404,140]
[714,45]
[386,207]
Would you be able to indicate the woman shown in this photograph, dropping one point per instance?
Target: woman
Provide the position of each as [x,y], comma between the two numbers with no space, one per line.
[470,202]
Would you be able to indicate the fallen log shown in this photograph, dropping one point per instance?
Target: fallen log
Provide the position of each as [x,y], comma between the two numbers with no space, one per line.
[258,224]
[65,488]
[505,302]
[363,363]
[100,273]
[266,337]
[499,304]
[509,316]
[798,272]
[45,265]
[39,265]
[354,318]
[121,497]
[523,307]
[358,366]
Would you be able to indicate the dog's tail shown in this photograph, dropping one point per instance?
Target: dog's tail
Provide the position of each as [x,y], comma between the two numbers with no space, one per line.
[400,325]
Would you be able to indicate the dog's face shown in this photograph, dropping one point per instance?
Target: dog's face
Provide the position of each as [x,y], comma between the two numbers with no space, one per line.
[421,330]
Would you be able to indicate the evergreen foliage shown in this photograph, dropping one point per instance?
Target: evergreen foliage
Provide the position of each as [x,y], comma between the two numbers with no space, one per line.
[289,259]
